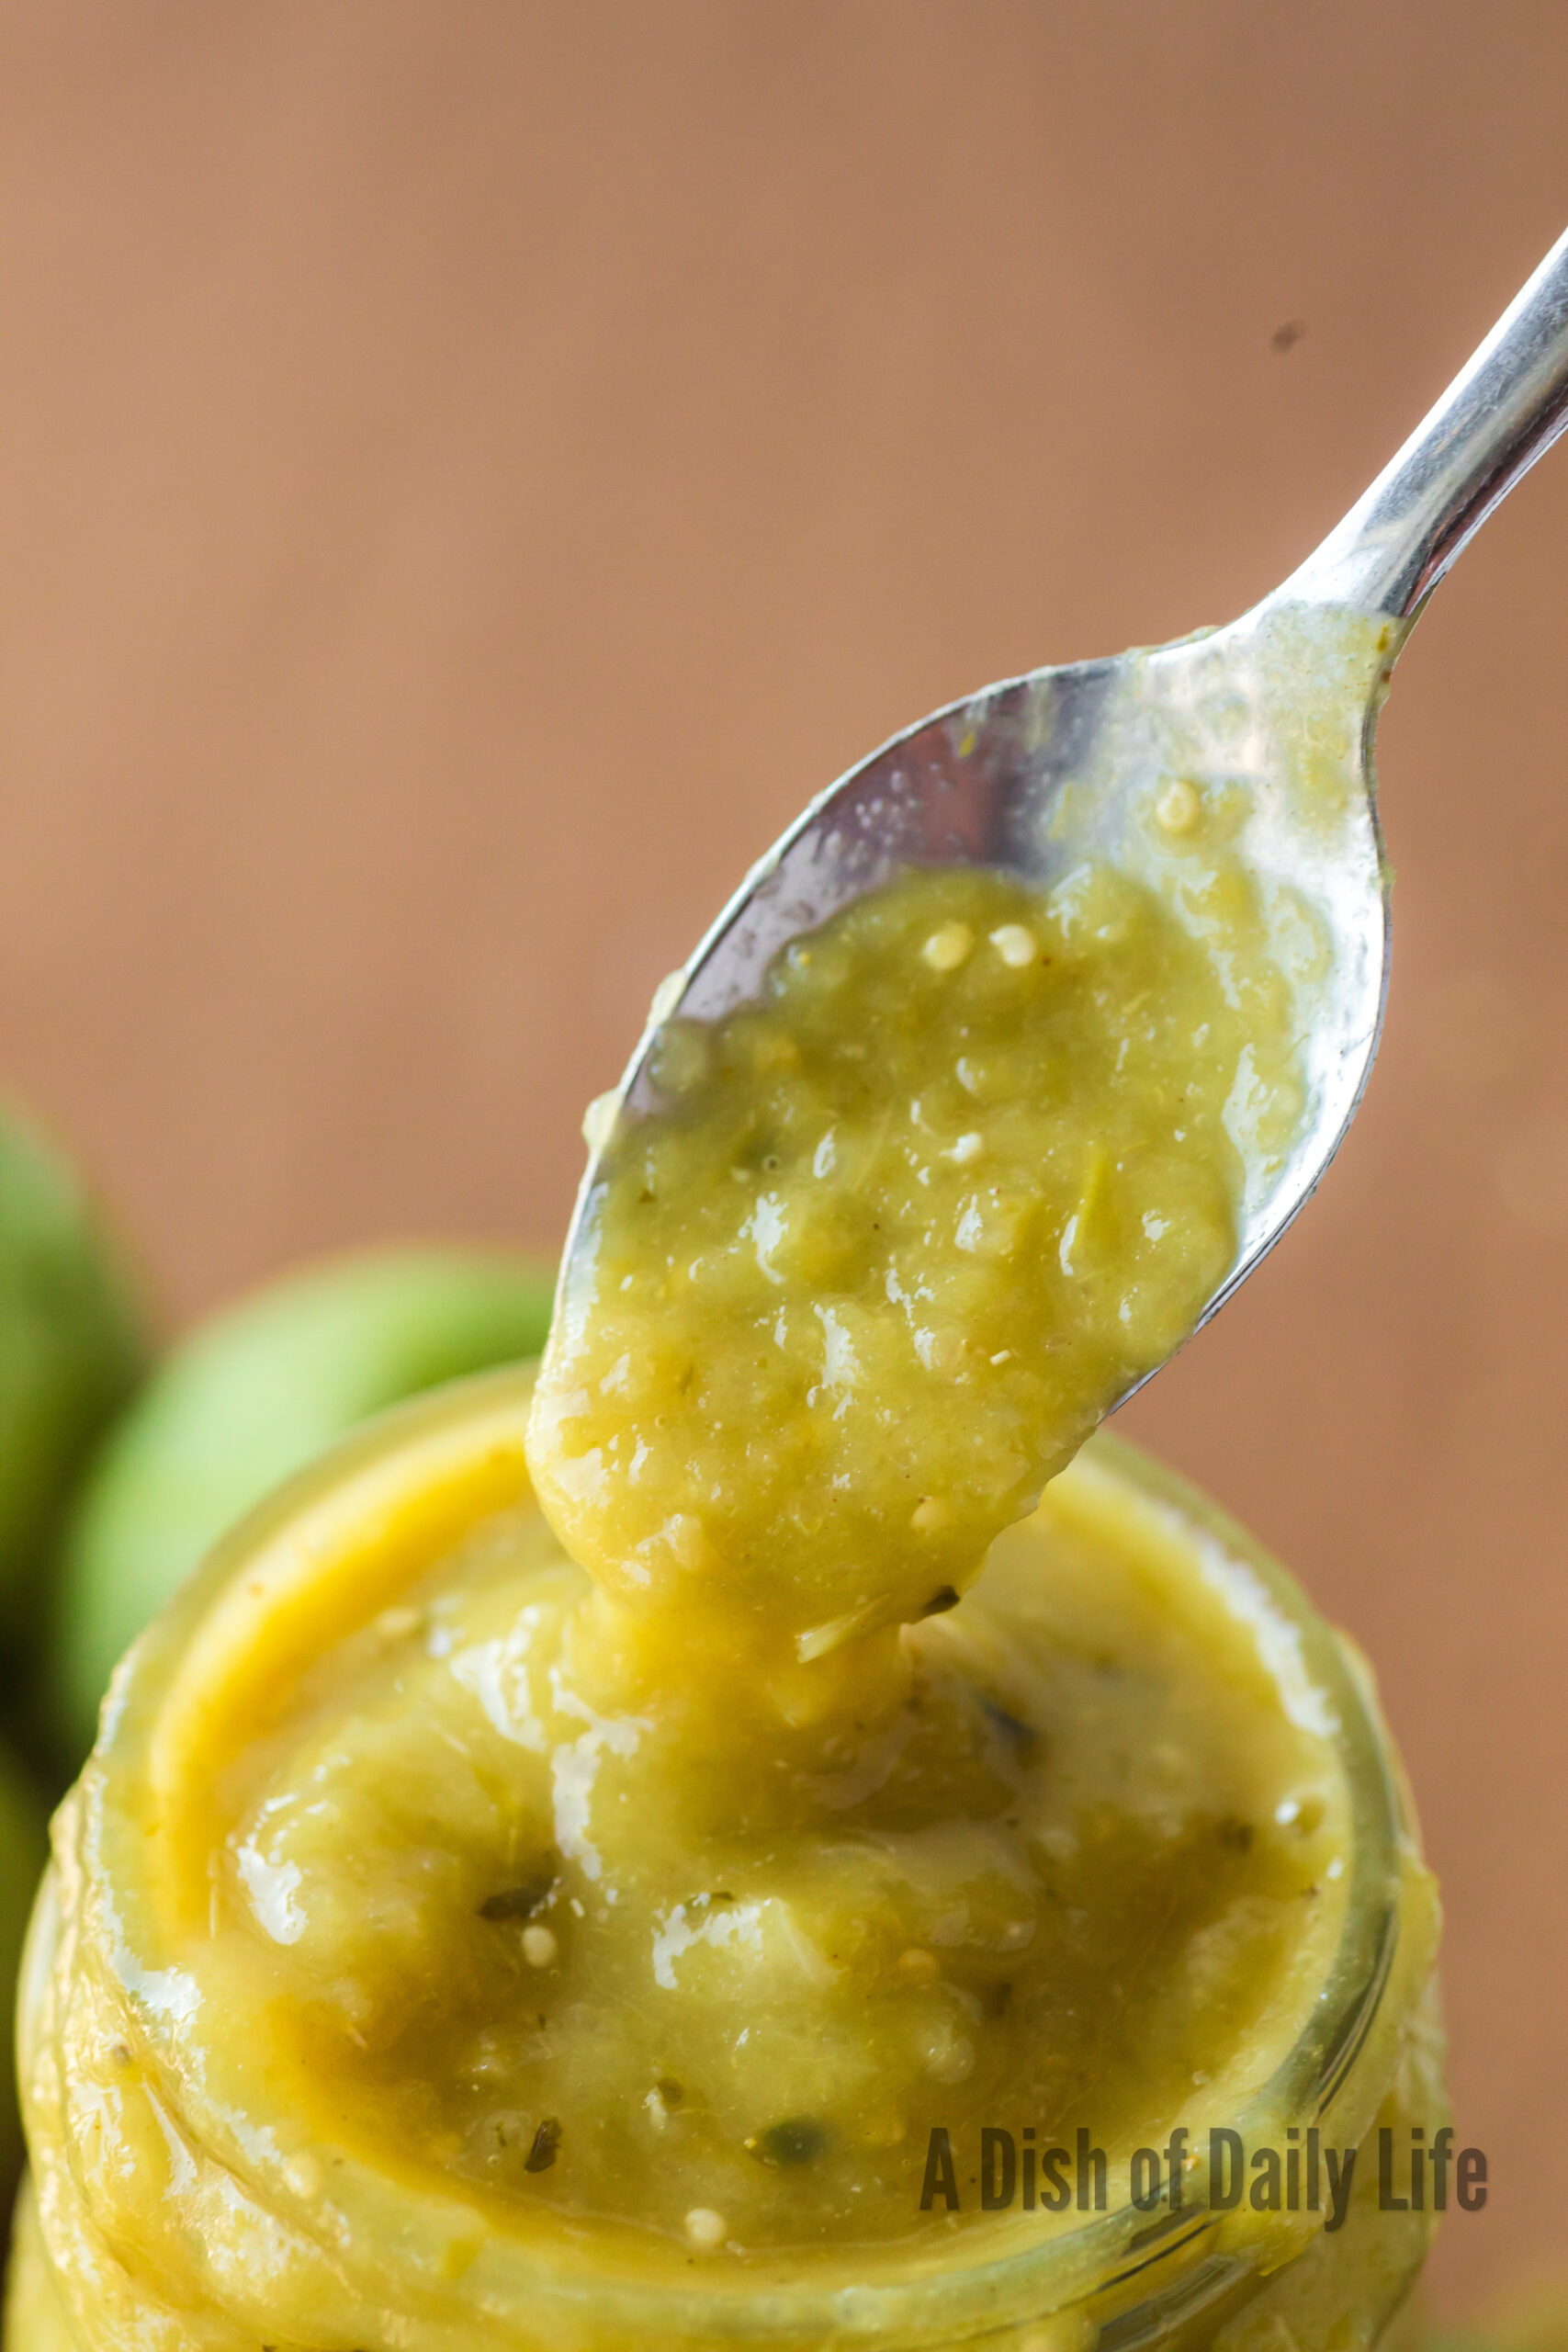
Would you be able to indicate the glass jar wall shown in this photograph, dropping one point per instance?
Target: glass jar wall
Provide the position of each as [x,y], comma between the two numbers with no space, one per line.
[214,2165]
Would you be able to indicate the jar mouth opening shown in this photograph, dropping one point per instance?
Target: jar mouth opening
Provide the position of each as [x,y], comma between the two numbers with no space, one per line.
[1156,2267]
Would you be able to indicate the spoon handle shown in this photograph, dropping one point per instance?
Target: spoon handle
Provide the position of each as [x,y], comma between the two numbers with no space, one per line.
[1504,410]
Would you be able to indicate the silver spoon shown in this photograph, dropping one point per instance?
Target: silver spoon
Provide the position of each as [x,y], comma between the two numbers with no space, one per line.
[1030,775]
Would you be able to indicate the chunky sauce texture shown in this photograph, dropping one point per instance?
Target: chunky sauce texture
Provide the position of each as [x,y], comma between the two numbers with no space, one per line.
[768,1777]
[1073,1862]
[898,1236]
[692,1891]
[553,1873]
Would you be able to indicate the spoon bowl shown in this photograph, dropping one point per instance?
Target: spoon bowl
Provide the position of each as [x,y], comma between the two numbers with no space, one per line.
[1113,761]
[1271,719]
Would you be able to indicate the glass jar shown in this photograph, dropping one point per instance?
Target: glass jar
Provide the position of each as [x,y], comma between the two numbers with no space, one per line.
[165,2212]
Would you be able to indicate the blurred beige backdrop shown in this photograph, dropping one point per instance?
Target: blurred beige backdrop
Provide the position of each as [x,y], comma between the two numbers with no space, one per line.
[473,468]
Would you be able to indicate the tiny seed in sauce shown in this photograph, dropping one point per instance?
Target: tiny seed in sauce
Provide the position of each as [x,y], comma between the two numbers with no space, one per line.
[1015,945]
[931,1515]
[540,1949]
[948,946]
[547,2141]
[918,1966]
[1179,806]
[706,2228]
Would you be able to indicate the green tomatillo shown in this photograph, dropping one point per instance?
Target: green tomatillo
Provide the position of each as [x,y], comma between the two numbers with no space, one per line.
[71,1351]
[249,1397]
[23,1846]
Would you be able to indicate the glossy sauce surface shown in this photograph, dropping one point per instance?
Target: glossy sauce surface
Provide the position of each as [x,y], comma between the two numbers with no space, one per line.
[1081,1865]
[897,1236]
[703,1884]
[666,1863]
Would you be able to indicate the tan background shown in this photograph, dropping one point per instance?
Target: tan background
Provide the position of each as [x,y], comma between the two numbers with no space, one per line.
[473,468]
